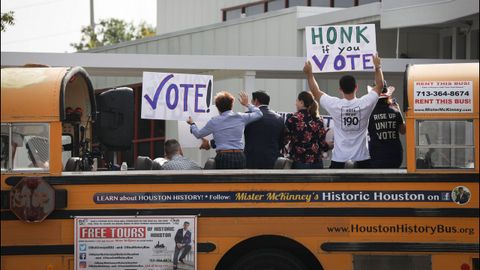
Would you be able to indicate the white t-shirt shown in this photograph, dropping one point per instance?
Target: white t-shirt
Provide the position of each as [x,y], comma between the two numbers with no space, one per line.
[350,118]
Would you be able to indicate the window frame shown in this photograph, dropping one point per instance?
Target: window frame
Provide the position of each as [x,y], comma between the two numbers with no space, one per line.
[452,147]
[10,168]
[9,144]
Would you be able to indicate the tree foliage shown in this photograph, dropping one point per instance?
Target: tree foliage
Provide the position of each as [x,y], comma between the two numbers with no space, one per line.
[7,19]
[111,31]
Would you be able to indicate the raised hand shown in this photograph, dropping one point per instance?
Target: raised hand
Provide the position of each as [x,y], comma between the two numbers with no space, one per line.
[205,144]
[189,120]
[377,61]
[243,98]
[307,69]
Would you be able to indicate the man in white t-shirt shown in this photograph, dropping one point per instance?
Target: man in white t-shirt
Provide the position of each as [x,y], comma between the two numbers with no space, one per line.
[350,116]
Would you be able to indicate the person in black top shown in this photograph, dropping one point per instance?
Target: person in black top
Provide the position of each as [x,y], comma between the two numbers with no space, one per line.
[384,128]
[264,137]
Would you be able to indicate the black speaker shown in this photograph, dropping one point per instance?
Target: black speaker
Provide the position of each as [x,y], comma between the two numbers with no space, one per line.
[114,125]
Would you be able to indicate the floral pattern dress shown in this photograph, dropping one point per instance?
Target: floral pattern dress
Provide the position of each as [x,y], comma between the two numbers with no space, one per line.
[305,137]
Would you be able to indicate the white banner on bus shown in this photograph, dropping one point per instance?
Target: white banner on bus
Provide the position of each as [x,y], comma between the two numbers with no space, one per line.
[170,96]
[443,96]
[146,243]
[337,48]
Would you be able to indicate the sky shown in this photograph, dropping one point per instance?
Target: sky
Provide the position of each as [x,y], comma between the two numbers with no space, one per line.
[51,25]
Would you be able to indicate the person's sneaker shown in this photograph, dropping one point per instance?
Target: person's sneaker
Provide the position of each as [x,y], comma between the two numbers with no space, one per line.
[181,260]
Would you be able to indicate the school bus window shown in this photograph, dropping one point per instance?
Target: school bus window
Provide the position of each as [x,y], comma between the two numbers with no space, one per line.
[5,142]
[444,144]
[67,148]
[32,151]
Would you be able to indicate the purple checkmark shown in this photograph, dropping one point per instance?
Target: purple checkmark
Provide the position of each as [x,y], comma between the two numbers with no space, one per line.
[153,102]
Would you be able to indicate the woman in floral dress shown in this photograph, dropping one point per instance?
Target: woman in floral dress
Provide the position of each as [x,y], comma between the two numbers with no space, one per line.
[305,134]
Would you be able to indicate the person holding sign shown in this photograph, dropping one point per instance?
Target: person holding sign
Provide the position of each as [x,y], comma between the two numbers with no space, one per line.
[350,116]
[385,125]
[227,129]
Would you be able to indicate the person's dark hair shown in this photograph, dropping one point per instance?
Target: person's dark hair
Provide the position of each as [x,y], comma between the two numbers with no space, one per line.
[171,147]
[186,222]
[262,97]
[309,102]
[348,84]
[224,101]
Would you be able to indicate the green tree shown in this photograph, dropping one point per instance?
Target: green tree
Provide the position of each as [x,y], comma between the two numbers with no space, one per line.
[111,31]
[7,19]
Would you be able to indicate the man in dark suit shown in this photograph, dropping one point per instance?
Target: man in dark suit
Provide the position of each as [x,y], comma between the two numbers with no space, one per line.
[264,137]
[462,196]
[183,238]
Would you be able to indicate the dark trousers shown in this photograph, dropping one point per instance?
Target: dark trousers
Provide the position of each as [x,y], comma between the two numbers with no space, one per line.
[185,250]
[363,164]
[298,165]
[386,163]
[230,160]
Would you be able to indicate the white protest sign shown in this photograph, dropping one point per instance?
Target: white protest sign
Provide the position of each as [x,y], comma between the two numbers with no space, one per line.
[170,96]
[327,124]
[443,97]
[135,242]
[327,119]
[337,48]
[186,139]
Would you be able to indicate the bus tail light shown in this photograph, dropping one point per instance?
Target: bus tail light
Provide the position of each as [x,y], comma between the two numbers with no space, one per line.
[465,267]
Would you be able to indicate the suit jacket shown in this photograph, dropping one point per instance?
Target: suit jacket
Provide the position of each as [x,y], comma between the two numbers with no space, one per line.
[264,140]
[179,238]
[462,199]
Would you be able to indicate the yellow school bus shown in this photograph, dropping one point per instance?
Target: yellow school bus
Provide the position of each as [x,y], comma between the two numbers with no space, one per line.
[425,216]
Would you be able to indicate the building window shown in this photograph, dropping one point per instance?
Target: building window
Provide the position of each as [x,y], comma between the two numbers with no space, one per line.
[149,135]
[233,14]
[255,9]
[461,45]
[294,3]
[343,3]
[474,45]
[447,47]
[320,3]
[276,5]
[363,2]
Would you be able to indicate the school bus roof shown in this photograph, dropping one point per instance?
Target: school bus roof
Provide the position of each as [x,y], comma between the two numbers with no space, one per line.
[36,94]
